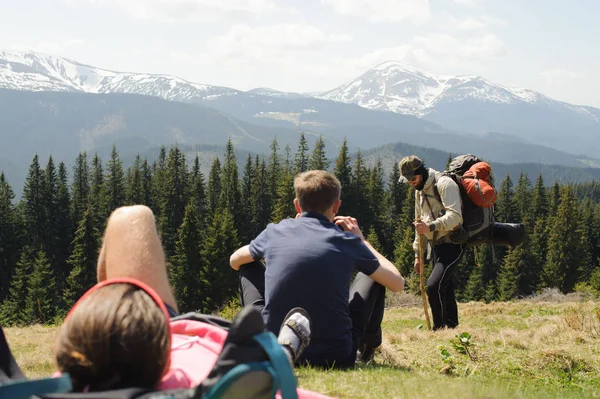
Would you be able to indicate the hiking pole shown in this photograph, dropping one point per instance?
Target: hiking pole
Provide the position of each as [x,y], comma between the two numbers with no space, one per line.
[422,273]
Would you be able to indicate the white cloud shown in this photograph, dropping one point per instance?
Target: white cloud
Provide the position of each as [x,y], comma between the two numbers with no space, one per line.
[50,47]
[186,10]
[469,3]
[486,46]
[271,41]
[559,76]
[382,10]
[469,23]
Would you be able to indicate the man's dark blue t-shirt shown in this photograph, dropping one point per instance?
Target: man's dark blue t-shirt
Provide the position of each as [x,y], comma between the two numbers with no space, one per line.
[310,262]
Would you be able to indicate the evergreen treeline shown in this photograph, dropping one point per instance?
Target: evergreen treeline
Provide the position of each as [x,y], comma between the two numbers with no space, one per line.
[50,239]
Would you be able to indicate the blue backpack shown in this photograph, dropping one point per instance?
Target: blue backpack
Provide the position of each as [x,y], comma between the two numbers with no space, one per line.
[251,365]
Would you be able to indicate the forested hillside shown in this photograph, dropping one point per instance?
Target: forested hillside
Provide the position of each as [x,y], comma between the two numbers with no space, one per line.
[50,239]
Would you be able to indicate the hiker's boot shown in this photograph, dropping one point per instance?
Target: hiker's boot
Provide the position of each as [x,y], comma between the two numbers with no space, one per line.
[366,353]
[295,333]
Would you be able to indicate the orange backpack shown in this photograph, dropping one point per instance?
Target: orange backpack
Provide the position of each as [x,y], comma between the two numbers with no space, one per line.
[476,182]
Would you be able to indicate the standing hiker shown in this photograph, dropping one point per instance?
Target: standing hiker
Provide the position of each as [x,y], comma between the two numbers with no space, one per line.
[309,263]
[436,214]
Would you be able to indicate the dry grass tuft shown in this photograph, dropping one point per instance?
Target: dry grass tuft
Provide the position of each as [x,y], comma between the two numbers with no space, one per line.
[33,348]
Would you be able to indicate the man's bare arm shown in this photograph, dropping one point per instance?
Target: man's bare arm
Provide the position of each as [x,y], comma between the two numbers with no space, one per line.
[240,257]
[386,274]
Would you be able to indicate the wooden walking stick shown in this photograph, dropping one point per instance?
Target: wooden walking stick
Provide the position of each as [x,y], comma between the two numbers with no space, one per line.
[422,273]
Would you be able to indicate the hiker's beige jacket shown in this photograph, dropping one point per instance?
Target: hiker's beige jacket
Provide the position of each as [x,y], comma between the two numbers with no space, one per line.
[445,215]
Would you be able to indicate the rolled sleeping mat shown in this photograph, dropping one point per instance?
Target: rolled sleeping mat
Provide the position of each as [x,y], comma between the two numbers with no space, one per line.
[511,234]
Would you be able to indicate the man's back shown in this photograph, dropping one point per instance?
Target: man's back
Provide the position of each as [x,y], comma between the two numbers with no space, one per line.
[310,262]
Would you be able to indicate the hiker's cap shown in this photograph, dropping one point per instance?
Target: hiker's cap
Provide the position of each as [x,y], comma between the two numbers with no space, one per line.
[408,166]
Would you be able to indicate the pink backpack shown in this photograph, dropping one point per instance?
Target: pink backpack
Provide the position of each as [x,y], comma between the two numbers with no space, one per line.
[195,347]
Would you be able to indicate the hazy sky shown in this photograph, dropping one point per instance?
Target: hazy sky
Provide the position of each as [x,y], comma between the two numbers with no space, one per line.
[314,45]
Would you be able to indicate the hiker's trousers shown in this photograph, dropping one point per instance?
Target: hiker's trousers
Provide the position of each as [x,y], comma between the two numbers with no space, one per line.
[440,287]
[366,301]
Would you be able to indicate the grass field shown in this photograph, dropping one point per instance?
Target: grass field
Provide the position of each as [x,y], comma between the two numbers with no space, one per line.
[546,347]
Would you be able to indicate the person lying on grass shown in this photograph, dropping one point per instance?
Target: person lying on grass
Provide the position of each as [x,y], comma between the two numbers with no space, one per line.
[120,333]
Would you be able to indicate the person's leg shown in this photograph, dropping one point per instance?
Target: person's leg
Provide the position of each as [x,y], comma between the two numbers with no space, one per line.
[367,304]
[132,248]
[252,285]
[446,258]
[451,310]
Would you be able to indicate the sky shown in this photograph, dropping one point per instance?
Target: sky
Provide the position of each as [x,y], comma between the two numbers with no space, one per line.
[315,45]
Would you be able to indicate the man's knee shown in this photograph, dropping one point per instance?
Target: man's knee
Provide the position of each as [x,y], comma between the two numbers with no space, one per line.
[131,215]
[432,288]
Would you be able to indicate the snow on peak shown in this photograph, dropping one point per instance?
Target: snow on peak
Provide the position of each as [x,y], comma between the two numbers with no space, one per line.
[397,87]
[33,71]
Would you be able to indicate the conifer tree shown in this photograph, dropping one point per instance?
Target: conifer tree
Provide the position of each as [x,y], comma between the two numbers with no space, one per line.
[284,205]
[135,189]
[404,254]
[360,182]
[563,256]
[261,202]
[147,185]
[586,240]
[343,171]
[159,181]
[80,187]
[537,244]
[174,198]
[13,307]
[512,265]
[506,211]
[522,198]
[301,157]
[539,200]
[9,239]
[554,198]
[376,197]
[62,228]
[373,239]
[230,184]
[34,209]
[475,288]
[395,196]
[198,192]
[218,282]
[115,182]
[83,259]
[39,303]
[318,159]
[98,201]
[186,263]
[274,171]
[213,190]
[248,179]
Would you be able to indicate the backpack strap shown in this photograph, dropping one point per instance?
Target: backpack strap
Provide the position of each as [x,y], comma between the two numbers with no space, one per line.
[9,370]
[23,389]
[279,360]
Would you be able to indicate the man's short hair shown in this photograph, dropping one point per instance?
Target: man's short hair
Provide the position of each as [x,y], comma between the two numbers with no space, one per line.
[317,190]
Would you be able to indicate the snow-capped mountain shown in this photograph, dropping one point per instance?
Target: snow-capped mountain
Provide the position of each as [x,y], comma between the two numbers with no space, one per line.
[473,104]
[396,87]
[32,71]
[419,101]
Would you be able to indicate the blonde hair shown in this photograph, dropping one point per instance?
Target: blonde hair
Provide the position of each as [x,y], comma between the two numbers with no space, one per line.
[116,338]
[317,190]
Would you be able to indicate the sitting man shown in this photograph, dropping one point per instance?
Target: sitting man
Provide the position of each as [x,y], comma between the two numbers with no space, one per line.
[310,261]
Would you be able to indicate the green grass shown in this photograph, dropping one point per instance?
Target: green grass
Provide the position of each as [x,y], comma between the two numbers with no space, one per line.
[522,349]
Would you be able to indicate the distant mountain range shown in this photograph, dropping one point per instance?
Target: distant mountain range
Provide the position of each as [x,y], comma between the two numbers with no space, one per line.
[428,102]
[50,104]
